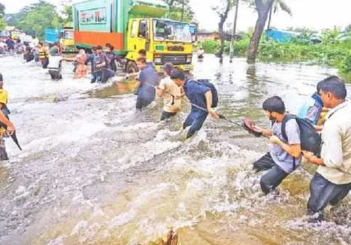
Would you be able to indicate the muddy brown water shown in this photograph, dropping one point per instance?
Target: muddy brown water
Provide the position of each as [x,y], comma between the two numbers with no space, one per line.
[94,172]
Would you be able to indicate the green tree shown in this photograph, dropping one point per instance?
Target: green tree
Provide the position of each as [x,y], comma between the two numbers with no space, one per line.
[2,10]
[67,11]
[2,14]
[2,24]
[36,17]
[223,10]
[263,8]
[180,10]
[278,5]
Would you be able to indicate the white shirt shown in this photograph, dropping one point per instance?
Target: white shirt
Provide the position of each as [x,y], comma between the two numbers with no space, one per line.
[54,62]
[336,146]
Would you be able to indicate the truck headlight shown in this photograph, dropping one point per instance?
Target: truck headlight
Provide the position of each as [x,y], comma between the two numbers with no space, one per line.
[189,59]
[158,60]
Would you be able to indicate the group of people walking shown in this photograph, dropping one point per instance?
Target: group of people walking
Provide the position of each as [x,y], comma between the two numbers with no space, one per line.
[332,180]
[173,87]
[327,111]
[103,63]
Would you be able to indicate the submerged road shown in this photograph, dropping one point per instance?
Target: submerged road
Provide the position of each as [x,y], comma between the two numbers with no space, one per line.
[94,172]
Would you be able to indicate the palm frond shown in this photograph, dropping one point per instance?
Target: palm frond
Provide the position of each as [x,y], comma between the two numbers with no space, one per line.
[284,6]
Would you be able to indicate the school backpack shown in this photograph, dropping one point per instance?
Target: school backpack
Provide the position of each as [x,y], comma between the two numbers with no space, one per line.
[311,109]
[207,83]
[310,139]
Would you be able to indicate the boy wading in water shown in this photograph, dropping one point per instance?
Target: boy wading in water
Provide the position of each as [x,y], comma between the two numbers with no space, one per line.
[200,98]
[171,93]
[285,155]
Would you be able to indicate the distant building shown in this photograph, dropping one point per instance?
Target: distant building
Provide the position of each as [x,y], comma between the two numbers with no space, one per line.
[207,35]
[202,36]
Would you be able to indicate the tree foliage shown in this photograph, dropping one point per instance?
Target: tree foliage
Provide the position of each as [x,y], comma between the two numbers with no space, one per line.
[180,10]
[33,19]
[67,11]
[2,14]
[222,9]
[2,24]
[2,10]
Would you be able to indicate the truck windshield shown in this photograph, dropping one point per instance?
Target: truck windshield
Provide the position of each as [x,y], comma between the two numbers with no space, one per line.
[165,30]
[68,34]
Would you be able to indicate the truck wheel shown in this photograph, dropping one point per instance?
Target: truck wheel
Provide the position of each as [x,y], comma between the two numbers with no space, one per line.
[131,67]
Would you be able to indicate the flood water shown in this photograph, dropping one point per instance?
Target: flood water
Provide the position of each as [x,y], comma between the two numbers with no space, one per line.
[94,172]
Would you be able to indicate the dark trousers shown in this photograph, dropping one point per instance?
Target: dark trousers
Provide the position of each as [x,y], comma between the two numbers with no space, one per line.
[45,63]
[106,74]
[97,76]
[142,102]
[324,192]
[195,120]
[165,115]
[273,177]
[55,74]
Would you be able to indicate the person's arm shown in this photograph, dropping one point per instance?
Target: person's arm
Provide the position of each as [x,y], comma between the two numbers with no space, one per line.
[292,150]
[160,91]
[293,147]
[313,159]
[140,80]
[267,132]
[182,92]
[318,127]
[332,148]
[101,65]
[10,127]
[208,96]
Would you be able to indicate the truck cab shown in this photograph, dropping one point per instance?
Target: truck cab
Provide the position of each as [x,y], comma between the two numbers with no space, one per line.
[165,41]
[67,40]
[132,25]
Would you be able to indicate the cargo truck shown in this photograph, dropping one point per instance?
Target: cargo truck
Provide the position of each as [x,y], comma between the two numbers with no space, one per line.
[63,35]
[132,25]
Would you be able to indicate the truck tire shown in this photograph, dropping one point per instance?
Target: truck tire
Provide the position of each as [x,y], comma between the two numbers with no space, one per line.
[131,67]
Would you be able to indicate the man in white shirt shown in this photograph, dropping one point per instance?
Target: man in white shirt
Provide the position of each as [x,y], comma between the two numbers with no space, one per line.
[171,93]
[332,181]
[55,61]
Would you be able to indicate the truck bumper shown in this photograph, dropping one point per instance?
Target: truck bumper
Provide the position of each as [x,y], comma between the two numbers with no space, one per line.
[185,67]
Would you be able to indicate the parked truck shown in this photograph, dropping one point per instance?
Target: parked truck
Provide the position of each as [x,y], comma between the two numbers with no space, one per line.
[132,25]
[65,36]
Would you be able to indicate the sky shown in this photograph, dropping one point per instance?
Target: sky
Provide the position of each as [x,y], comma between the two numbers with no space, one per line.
[313,14]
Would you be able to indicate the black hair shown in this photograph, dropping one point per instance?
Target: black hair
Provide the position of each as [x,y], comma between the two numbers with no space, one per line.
[141,60]
[178,74]
[168,67]
[319,84]
[98,47]
[334,85]
[142,52]
[1,78]
[274,104]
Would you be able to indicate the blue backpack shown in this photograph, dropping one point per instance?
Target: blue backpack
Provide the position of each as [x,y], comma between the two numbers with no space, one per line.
[207,83]
[310,139]
[312,109]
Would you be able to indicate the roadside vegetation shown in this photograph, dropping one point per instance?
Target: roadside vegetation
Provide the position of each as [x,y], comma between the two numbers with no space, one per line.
[333,49]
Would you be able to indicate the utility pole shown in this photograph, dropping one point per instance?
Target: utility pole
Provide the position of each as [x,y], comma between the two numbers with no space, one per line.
[234,31]
[183,6]
[269,19]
